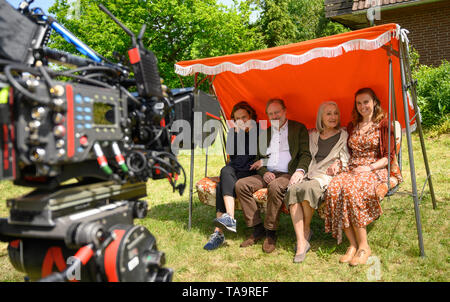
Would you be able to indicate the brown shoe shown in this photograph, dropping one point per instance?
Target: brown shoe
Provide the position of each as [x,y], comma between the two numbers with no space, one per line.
[361,257]
[351,251]
[269,244]
[251,240]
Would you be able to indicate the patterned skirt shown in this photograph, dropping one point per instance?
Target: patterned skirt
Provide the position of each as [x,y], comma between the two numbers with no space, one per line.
[351,199]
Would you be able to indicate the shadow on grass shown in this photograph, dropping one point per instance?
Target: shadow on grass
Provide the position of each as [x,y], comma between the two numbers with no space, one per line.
[202,223]
[399,214]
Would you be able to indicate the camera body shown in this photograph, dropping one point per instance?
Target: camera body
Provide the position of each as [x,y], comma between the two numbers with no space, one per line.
[63,133]
[82,124]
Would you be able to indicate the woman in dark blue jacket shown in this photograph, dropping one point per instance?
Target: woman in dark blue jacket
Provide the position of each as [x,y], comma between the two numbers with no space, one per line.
[242,142]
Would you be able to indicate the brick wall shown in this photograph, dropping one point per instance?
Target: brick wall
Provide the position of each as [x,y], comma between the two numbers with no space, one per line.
[429,26]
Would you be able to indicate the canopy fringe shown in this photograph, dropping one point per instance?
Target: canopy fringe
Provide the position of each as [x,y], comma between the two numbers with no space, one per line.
[321,52]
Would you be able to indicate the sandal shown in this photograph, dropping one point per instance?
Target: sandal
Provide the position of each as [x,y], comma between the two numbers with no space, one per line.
[351,251]
[361,257]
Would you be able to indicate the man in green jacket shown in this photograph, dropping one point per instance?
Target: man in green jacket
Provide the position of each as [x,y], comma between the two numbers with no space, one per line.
[284,162]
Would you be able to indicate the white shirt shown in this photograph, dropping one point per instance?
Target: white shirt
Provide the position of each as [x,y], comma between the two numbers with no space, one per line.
[278,150]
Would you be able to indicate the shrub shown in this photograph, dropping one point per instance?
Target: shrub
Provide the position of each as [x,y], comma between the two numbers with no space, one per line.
[414,58]
[438,130]
[433,93]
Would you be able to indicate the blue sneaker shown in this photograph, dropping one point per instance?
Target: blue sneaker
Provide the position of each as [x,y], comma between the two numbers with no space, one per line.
[215,241]
[227,222]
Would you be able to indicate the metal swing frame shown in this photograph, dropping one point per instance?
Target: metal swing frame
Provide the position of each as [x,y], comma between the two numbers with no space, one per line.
[408,84]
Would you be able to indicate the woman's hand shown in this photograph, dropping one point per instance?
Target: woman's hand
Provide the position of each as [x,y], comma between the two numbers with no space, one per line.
[256,165]
[296,177]
[333,169]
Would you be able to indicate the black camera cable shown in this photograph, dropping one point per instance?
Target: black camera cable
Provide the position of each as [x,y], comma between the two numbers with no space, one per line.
[16,85]
[174,168]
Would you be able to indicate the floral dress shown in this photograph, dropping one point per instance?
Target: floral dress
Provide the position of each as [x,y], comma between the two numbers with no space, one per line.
[351,197]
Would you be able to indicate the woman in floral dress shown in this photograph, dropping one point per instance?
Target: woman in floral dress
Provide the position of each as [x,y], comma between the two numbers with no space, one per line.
[351,202]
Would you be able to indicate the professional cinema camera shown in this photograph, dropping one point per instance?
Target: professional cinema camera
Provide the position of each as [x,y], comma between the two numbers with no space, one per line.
[86,135]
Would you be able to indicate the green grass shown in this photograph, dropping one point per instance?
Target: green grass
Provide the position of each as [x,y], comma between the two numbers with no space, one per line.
[393,237]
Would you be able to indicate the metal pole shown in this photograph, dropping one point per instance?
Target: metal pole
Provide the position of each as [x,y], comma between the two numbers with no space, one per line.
[389,126]
[206,162]
[410,152]
[419,128]
[191,185]
[191,174]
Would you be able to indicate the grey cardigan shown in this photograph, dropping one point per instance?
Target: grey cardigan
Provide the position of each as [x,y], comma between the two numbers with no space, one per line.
[318,171]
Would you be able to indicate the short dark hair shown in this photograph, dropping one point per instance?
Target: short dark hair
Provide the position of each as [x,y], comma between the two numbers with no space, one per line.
[278,101]
[246,106]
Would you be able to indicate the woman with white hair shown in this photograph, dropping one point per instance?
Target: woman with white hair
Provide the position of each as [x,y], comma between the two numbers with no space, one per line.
[328,146]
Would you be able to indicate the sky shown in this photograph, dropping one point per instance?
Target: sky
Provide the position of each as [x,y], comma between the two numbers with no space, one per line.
[45,4]
[226,2]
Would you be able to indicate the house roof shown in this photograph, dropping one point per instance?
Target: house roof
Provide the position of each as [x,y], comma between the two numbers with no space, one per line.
[352,12]
[365,4]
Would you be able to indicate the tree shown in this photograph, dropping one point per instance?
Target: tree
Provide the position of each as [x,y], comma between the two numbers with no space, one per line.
[275,23]
[311,21]
[288,21]
[176,29]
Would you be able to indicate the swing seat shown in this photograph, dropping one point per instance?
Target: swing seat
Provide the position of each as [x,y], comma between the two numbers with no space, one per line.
[206,187]
[206,191]
[395,176]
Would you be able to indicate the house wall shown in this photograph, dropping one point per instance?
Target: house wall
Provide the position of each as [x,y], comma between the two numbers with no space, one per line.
[429,26]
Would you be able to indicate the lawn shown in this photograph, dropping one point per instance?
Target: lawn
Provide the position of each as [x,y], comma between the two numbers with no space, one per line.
[393,237]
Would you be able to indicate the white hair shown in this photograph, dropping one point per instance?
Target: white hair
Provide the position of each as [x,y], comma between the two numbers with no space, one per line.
[319,122]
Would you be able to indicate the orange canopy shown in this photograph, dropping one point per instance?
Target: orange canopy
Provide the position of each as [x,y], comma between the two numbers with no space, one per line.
[308,73]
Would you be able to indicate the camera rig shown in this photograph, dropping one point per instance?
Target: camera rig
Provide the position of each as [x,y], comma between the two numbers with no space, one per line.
[82,123]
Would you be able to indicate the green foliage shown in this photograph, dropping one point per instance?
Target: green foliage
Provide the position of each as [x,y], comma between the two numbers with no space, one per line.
[176,29]
[439,129]
[190,29]
[325,252]
[433,93]
[276,23]
[288,21]
[309,15]
[414,57]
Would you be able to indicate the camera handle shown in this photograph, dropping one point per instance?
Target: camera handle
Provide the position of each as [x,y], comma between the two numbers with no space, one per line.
[144,62]
[82,257]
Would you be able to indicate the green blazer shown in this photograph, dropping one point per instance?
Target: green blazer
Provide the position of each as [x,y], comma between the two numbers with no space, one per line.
[298,140]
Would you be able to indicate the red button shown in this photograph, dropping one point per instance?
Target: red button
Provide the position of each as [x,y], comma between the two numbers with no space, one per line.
[84,141]
[134,55]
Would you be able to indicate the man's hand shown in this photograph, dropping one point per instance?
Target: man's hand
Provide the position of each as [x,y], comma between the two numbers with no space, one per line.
[296,177]
[268,177]
[256,165]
